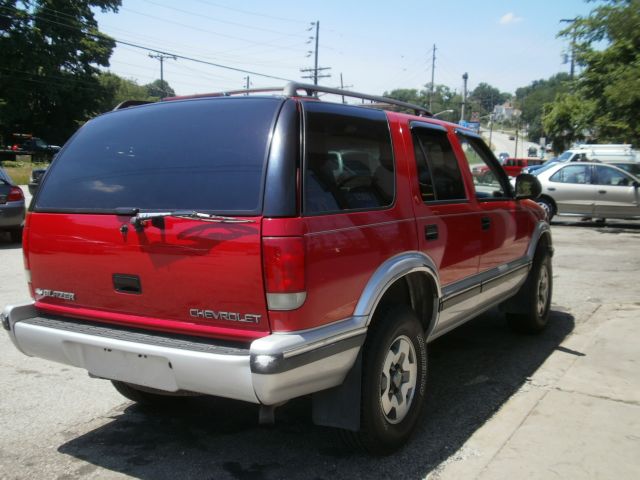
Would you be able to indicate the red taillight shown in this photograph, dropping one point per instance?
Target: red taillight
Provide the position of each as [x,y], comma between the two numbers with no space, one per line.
[283,264]
[15,194]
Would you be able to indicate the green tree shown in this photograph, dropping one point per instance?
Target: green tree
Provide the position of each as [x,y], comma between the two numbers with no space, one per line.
[117,89]
[443,99]
[531,100]
[607,43]
[484,97]
[568,120]
[50,54]
[159,89]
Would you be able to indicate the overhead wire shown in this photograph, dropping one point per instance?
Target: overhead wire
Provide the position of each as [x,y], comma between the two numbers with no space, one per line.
[184,57]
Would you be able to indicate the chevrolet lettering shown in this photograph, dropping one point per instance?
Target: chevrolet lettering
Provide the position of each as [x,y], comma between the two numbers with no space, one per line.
[229,316]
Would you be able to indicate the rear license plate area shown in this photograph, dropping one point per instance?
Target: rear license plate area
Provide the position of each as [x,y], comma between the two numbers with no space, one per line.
[131,367]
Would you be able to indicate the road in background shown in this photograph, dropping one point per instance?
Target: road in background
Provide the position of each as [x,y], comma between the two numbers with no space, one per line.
[501,143]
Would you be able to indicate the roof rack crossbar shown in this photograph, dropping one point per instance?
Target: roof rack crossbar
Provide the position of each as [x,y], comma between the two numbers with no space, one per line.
[292,88]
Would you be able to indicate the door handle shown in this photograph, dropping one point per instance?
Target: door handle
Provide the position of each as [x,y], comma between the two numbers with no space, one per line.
[486,223]
[552,189]
[431,232]
[602,191]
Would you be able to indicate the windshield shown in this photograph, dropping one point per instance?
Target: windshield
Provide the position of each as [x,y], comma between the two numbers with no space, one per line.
[565,156]
[206,155]
[545,167]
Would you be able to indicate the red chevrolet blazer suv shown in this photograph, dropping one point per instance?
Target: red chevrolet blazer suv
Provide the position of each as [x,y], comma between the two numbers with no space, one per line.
[267,247]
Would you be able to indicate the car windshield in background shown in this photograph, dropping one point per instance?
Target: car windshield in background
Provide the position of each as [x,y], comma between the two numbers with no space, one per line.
[206,155]
[565,156]
[544,167]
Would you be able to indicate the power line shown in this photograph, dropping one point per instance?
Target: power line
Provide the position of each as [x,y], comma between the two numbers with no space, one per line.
[163,52]
[215,19]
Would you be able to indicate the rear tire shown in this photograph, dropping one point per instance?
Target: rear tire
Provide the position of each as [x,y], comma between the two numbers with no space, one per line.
[393,382]
[534,296]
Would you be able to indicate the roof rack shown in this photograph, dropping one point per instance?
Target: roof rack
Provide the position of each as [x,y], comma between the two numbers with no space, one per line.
[292,89]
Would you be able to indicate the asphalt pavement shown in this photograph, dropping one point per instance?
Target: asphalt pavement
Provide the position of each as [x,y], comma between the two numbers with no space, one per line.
[500,143]
[562,404]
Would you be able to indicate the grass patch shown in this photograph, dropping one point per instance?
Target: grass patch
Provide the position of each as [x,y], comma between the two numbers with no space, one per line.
[20,172]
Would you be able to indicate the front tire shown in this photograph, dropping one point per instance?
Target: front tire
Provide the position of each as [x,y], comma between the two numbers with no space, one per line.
[393,381]
[535,296]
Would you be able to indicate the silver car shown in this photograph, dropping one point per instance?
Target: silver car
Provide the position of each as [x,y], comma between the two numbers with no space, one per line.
[595,190]
[12,207]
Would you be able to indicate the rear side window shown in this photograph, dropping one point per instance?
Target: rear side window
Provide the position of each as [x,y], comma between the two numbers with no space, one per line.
[348,159]
[573,174]
[207,154]
[438,171]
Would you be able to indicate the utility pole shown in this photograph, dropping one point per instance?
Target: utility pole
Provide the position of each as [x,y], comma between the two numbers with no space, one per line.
[465,77]
[247,83]
[315,76]
[343,86]
[515,153]
[573,44]
[162,57]
[433,71]
[490,128]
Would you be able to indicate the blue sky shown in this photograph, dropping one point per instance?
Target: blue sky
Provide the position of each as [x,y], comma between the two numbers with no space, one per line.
[376,45]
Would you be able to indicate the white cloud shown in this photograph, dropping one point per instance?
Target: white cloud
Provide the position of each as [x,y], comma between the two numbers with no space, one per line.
[509,18]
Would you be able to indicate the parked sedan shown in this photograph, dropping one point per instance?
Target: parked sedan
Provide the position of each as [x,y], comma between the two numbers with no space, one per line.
[36,178]
[594,190]
[12,207]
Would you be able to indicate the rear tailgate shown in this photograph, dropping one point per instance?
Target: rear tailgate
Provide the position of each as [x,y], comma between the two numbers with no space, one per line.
[190,276]
[199,276]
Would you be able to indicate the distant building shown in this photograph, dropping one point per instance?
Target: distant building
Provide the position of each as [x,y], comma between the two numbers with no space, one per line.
[505,112]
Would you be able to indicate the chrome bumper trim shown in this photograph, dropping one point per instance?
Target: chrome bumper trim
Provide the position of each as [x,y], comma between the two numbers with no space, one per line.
[271,370]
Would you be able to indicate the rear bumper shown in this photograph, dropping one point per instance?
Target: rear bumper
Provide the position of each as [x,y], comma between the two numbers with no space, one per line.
[12,215]
[271,370]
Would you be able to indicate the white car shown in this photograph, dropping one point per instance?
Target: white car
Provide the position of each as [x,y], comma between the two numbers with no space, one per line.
[595,190]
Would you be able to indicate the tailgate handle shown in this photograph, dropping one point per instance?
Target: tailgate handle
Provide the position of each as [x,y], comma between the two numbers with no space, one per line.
[124,283]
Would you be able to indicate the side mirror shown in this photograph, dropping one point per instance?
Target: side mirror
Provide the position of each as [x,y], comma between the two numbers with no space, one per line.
[527,186]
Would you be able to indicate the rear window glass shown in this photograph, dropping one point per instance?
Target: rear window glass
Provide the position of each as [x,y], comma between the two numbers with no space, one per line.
[348,159]
[205,154]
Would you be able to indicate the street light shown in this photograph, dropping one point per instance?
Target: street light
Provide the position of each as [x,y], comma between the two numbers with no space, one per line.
[442,112]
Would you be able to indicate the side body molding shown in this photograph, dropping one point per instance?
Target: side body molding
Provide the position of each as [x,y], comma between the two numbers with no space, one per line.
[391,270]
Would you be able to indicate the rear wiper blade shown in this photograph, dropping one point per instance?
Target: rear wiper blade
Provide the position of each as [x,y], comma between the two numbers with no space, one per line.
[138,220]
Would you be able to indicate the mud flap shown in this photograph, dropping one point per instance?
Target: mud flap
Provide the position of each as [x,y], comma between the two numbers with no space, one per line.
[339,407]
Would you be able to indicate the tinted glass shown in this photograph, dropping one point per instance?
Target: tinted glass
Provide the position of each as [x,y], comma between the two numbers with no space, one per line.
[198,155]
[632,168]
[488,179]
[348,159]
[611,176]
[572,174]
[438,171]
